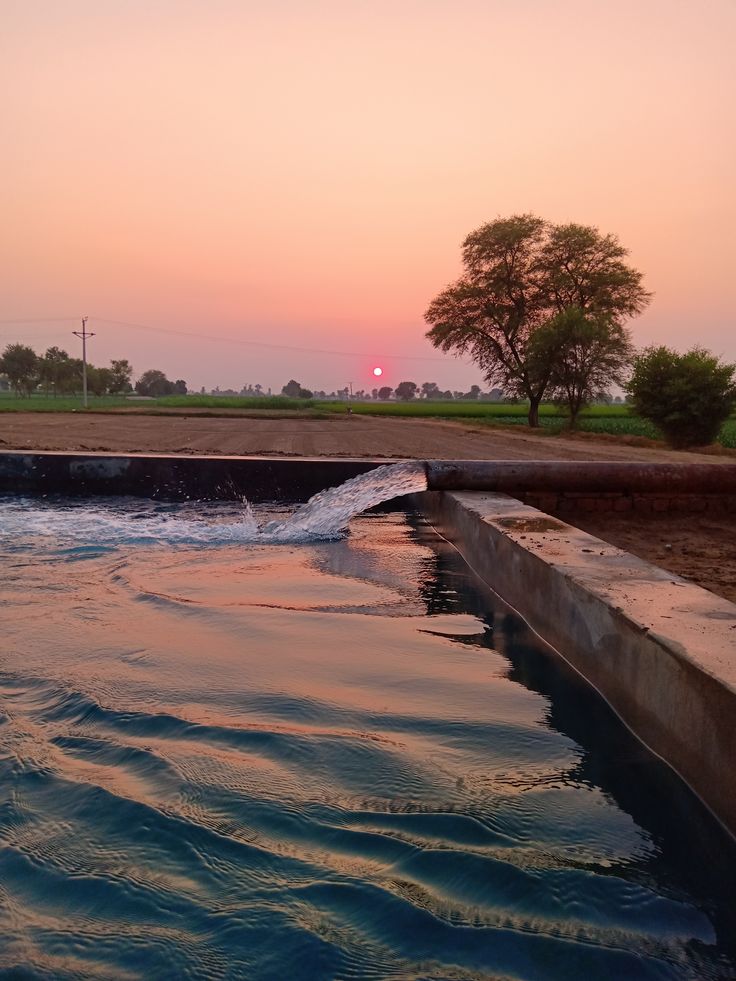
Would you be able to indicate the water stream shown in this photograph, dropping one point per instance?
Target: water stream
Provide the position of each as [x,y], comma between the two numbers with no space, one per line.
[325,516]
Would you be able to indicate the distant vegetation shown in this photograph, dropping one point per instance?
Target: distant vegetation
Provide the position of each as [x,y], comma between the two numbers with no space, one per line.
[55,373]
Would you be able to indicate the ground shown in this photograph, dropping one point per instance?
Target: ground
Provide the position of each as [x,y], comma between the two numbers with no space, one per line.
[701,548]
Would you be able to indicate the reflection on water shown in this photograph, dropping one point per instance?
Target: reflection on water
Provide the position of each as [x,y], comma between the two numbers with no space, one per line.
[328,760]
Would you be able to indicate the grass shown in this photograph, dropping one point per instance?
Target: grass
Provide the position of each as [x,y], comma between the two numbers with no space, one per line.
[614,420]
[65,403]
[236,402]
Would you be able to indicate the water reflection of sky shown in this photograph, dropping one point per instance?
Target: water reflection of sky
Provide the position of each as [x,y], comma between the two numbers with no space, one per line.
[343,756]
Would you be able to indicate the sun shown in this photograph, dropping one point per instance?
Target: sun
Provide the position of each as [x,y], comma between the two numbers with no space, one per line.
[378,372]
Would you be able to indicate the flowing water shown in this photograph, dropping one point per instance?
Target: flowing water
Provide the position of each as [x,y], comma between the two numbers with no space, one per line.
[325,516]
[231,748]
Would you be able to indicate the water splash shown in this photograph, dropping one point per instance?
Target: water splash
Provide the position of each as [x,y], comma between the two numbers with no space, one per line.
[329,512]
[324,516]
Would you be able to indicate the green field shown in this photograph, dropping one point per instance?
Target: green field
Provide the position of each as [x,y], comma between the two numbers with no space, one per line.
[614,420]
[65,403]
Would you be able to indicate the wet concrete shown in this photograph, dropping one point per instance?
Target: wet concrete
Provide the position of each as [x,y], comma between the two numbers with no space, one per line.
[175,478]
[660,650]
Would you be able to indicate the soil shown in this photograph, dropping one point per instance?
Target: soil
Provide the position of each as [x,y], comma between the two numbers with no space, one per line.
[700,548]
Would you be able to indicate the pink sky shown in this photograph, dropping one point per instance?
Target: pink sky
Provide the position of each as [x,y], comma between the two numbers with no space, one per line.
[302,174]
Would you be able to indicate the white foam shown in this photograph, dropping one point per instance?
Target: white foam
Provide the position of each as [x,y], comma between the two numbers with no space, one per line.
[324,516]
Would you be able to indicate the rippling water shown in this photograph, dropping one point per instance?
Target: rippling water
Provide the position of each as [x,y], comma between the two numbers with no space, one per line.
[325,760]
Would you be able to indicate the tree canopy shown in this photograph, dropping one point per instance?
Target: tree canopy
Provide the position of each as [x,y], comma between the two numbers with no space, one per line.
[20,363]
[520,273]
[406,391]
[585,354]
[293,390]
[154,383]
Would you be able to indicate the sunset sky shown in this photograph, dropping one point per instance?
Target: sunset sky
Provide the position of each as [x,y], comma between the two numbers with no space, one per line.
[302,174]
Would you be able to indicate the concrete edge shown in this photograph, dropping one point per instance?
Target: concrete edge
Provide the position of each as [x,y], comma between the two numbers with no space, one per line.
[661,651]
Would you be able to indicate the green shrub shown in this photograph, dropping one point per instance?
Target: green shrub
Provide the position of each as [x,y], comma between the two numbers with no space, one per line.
[688,396]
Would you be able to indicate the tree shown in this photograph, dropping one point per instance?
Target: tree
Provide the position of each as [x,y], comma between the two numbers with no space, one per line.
[471,396]
[586,354]
[20,364]
[294,390]
[55,370]
[519,273]
[431,390]
[180,387]
[406,391]
[98,380]
[120,376]
[688,396]
[154,384]
[384,393]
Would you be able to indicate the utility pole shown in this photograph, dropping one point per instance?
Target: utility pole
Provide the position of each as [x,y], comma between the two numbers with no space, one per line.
[84,334]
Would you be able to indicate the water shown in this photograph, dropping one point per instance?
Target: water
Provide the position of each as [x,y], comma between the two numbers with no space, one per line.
[324,517]
[318,759]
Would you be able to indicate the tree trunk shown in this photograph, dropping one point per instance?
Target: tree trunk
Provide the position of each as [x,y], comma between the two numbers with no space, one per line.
[534,412]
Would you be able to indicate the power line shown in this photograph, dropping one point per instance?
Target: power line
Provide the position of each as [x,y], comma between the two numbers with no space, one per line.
[35,320]
[276,347]
[229,340]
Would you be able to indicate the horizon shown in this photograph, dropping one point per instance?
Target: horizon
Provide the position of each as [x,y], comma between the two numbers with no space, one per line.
[293,185]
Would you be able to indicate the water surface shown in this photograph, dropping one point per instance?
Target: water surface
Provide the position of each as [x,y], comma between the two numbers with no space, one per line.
[229,759]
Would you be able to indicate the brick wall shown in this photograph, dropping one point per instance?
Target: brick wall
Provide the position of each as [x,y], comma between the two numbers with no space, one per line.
[568,502]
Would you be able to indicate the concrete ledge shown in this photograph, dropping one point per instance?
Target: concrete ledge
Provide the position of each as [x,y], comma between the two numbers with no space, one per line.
[660,650]
[564,487]
[558,487]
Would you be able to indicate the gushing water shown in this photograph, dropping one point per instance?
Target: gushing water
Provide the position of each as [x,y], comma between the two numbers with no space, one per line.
[324,516]
[328,512]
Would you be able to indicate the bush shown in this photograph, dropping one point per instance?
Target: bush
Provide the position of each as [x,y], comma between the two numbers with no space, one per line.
[688,396]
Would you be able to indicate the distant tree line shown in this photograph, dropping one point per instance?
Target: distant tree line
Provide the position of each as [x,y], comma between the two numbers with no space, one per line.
[55,373]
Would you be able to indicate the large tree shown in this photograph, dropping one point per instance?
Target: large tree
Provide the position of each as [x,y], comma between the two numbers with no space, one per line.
[120,374]
[54,369]
[293,390]
[154,384]
[519,273]
[406,391]
[20,364]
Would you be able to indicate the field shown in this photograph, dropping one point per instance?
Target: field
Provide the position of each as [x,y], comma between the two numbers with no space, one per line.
[612,420]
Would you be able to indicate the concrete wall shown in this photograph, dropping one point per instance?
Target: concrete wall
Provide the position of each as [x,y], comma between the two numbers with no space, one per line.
[565,488]
[558,487]
[660,650]
[176,478]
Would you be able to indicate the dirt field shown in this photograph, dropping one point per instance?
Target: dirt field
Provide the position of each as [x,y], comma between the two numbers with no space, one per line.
[702,549]
[299,436]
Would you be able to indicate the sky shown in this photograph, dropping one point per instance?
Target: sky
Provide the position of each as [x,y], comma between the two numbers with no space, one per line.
[277,190]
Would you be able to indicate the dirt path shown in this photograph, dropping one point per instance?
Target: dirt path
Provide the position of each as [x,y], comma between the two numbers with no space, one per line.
[701,549]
